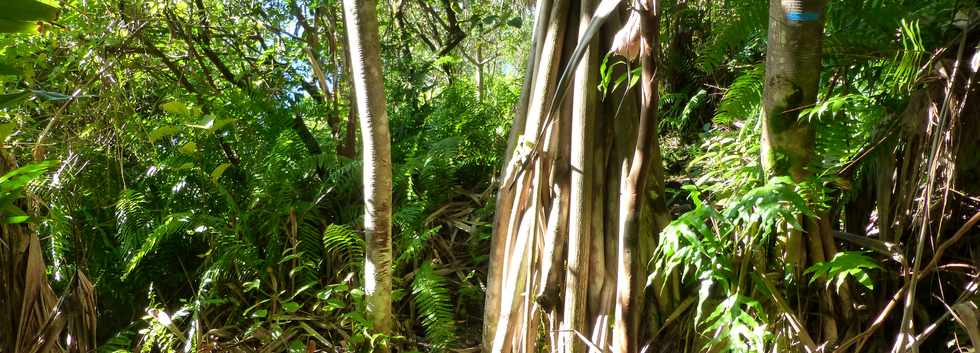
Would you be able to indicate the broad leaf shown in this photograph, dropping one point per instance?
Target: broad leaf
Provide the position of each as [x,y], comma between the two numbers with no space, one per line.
[188,148]
[162,132]
[24,15]
[175,108]
[11,99]
[216,174]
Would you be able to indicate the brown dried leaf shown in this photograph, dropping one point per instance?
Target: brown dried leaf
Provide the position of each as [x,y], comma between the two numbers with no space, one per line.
[627,40]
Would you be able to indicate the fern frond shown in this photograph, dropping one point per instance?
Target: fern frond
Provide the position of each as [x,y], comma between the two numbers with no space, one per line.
[435,307]
[342,242]
[743,100]
[412,244]
[172,224]
[736,23]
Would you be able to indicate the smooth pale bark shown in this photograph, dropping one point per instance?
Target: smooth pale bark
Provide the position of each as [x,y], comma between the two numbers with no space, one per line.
[364,47]
[581,198]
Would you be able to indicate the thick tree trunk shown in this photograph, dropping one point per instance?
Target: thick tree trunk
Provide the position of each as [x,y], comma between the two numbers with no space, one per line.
[558,215]
[793,64]
[792,72]
[364,48]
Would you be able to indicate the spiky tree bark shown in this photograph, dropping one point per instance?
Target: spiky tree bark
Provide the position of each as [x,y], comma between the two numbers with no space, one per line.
[364,47]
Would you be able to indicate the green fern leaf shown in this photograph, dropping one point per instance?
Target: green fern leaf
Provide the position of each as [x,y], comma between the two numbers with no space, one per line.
[435,307]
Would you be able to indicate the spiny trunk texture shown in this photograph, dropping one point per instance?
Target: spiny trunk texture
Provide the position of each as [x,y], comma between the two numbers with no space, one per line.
[364,47]
[555,259]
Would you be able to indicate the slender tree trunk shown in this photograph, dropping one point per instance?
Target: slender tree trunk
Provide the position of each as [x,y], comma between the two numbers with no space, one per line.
[580,203]
[479,72]
[626,327]
[364,48]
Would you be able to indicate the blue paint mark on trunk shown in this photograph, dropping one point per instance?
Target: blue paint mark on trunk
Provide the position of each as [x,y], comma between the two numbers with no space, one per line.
[802,16]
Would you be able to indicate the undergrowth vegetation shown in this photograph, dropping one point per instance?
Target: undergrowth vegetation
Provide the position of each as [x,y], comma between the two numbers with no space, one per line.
[190,172]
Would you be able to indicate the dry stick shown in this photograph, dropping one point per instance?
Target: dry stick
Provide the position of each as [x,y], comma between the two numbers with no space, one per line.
[973,220]
[585,340]
[932,265]
[863,336]
[681,308]
[317,70]
[971,289]
[900,342]
[794,322]
[948,243]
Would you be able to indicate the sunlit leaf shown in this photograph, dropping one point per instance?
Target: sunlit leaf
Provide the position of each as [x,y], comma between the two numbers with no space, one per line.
[162,132]
[217,172]
[290,307]
[175,108]
[188,148]
[24,15]
[210,123]
[6,130]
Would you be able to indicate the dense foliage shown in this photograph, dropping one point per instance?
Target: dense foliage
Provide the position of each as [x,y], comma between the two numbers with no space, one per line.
[189,171]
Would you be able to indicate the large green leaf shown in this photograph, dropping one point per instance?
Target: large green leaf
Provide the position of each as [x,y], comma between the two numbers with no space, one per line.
[7,69]
[162,132]
[175,107]
[11,99]
[10,26]
[211,123]
[188,148]
[6,130]
[216,174]
[27,10]
[23,15]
